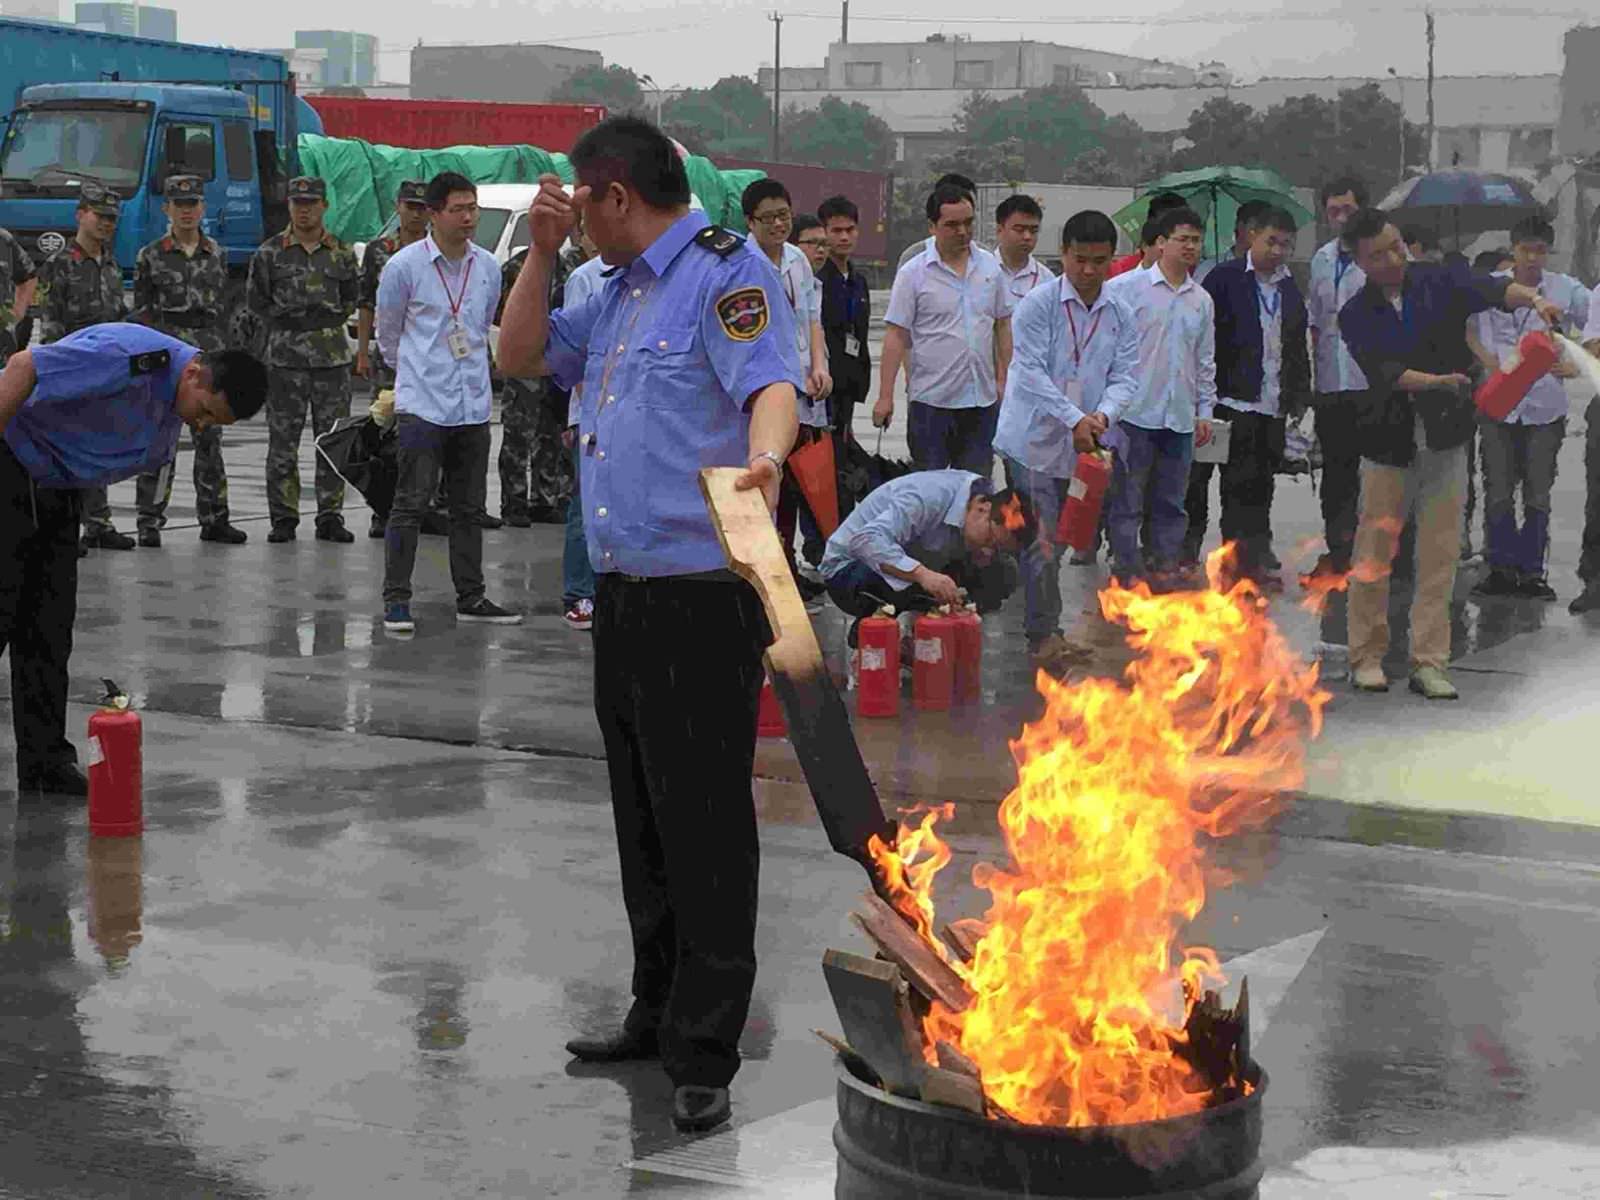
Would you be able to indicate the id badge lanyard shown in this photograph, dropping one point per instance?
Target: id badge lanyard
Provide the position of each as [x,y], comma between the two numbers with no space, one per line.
[457,337]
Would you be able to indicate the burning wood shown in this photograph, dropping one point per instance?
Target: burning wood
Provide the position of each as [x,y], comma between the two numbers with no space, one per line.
[1048,998]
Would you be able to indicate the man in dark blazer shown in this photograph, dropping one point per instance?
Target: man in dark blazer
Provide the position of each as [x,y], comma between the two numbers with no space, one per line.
[1263,377]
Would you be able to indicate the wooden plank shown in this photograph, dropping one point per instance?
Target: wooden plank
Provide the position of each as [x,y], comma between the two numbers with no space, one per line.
[924,969]
[963,936]
[952,1059]
[851,1059]
[819,725]
[953,1090]
[870,998]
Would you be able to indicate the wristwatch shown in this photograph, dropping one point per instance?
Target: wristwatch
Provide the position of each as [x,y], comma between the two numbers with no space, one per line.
[768,454]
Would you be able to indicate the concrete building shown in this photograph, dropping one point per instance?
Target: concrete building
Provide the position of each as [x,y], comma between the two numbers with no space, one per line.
[514,73]
[139,20]
[1578,134]
[350,59]
[32,10]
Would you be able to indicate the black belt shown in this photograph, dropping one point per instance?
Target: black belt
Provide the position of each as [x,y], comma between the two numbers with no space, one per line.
[722,575]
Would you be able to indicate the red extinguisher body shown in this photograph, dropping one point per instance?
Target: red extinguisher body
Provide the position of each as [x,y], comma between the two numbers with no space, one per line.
[1086,491]
[116,773]
[968,630]
[1504,390]
[878,667]
[769,719]
[933,673]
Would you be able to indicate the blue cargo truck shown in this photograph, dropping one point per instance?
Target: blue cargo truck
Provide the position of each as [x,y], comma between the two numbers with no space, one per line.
[127,112]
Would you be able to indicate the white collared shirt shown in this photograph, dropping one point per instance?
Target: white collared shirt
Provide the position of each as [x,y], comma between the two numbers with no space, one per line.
[1177,376]
[1500,332]
[1334,280]
[1032,274]
[804,292]
[1269,307]
[951,320]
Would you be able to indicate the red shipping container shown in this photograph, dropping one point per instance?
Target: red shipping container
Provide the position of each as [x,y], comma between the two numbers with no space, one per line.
[435,124]
[810,186]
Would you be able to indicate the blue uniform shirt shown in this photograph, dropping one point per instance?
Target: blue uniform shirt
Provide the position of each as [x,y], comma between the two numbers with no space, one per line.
[669,354]
[916,520]
[90,421]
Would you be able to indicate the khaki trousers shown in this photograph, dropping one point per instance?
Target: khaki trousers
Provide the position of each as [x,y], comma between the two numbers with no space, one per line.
[1434,488]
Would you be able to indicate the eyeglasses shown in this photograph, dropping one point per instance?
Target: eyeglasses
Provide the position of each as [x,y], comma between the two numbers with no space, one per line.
[775,218]
[813,241]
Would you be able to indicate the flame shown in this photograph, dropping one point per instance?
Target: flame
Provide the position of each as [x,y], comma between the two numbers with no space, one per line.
[1115,784]
[1011,515]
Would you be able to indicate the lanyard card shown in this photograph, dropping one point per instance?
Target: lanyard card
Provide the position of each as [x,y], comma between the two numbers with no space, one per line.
[460,347]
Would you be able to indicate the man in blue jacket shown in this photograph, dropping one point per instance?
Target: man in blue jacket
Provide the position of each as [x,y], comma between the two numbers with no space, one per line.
[1263,376]
[99,406]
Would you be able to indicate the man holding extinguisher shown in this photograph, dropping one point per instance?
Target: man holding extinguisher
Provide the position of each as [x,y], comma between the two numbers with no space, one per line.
[1074,347]
[97,407]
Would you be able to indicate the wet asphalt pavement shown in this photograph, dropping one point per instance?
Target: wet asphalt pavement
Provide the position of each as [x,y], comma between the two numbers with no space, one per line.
[378,892]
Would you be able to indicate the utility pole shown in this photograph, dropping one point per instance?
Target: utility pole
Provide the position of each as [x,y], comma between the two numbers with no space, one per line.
[777,78]
[1431,163]
[844,25]
[1400,86]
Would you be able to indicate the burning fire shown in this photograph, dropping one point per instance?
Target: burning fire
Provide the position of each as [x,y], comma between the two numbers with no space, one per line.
[1116,782]
[1011,517]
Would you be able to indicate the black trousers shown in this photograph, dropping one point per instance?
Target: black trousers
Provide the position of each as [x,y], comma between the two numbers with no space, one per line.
[677,684]
[430,457]
[1249,477]
[1589,561]
[38,604]
[1335,420]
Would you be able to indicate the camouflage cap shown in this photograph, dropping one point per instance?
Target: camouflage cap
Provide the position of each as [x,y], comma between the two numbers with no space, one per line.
[185,187]
[412,191]
[99,199]
[307,187]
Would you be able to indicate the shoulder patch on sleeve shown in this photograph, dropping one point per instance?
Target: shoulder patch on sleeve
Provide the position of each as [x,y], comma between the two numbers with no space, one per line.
[719,241]
[743,313]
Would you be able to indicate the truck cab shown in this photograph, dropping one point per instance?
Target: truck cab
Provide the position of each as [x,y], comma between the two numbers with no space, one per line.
[130,137]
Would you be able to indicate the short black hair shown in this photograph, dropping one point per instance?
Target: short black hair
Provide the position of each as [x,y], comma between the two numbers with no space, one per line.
[1089,228]
[763,189]
[240,377]
[1248,211]
[1533,229]
[1489,260]
[838,206]
[1010,498]
[1338,186]
[1165,202]
[1012,205]
[951,179]
[633,152]
[1149,232]
[1418,235]
[803,222]
[444,185]
[1364,223]
[942,195]
[1170,221]
[1273,216]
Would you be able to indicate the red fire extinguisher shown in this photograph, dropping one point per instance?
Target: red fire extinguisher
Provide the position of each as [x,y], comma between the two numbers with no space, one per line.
[769,720]
[116,767]
[969,655]
[1504,390]
[878,666]
[933,674]
[1080,513]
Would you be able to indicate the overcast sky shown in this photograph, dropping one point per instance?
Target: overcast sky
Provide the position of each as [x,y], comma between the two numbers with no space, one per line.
[694,42]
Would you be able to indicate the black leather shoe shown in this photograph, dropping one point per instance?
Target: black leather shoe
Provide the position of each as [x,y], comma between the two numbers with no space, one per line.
[1587,600]
[222,532]
[486,520]
[108,539]
[150,539]
[281,534]
[66,779]
[517,519]
[378,527]
[697,1109]
[630,1045]
[334,531]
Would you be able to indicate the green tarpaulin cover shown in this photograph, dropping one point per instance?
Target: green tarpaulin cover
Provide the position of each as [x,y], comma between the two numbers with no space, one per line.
[362,178]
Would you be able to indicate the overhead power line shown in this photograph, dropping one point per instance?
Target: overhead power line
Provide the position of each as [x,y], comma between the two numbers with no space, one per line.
[1215,18]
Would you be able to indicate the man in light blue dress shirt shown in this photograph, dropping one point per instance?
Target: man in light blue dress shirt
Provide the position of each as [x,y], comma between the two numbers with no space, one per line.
[1076,351]
[436,300]
[687,360]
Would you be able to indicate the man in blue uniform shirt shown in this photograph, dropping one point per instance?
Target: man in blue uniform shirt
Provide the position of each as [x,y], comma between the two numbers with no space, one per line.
[98,406]
[687,360]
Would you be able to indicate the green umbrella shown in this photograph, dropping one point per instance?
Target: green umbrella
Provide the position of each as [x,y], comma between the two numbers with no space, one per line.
[1216,194]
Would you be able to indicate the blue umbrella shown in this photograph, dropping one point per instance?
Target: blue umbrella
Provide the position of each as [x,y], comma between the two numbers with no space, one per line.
[1462,204]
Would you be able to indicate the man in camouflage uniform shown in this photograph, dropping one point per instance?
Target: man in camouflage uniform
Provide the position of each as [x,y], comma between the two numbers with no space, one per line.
[411,206]
[533,415]
[304,286]
[18,281]
[81,285]
[178,281]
